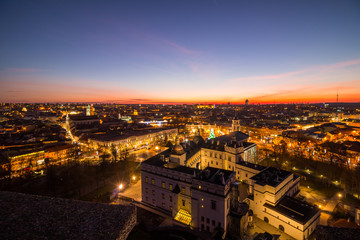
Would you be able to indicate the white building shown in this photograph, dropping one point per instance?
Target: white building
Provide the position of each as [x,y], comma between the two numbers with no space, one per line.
[200,199]
[192,181]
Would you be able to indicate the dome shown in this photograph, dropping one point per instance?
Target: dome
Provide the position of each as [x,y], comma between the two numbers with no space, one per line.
[178,149]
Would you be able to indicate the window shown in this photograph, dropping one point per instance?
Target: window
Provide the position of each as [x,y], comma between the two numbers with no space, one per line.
[146,190]
[213,204]
[216,163]
[163,184]
[183,190]
[246,174]
[146,179]
[229,158]
[207,228]
[213,222]
[202,218]
[170,198]
[215,155]
[207,220]
[199,186]
[163,196]
[211,154]
[152,181]
[153,192]
[163,205]
[220,156]
[183,203]
[153,201]
[202,226]
[219,224]
[170,187]
[266,220]
[281,228]
[146,198]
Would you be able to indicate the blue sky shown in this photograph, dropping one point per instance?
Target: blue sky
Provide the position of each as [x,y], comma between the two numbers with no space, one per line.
[179,51]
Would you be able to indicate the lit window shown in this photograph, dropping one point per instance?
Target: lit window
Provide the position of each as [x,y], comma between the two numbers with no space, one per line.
[146,190]
[146,179]
[183,203]
[163,185]
[152,181]
[153,192]
[170,187]
[199,187]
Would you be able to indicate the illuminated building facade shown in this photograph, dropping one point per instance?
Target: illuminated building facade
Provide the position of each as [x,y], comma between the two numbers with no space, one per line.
[192,181]
[199,199]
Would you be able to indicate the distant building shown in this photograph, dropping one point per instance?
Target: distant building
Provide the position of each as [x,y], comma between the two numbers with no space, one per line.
[133,139]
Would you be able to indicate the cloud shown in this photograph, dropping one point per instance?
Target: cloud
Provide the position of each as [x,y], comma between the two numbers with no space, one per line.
[179,47]
[306,70]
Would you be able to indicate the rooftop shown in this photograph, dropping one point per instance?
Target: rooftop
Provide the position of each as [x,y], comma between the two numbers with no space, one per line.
[295,209]
[252,165]
[82,117]
[215,175]
[126,134]
[26,216]
[271,176]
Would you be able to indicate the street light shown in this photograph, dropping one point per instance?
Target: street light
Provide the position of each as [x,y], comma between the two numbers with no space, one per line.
[121,186]
[339,195]
[133,178]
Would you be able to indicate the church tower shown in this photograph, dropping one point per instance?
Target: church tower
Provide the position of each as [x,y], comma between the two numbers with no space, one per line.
[235,124]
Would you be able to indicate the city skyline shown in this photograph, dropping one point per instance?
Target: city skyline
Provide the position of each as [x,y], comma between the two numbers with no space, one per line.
[180,52]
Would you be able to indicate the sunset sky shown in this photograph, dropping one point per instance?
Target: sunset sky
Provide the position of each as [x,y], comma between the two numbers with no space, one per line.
[179,51]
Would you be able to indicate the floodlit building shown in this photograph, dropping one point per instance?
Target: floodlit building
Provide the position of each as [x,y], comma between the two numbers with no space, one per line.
[192,181]
[197,198]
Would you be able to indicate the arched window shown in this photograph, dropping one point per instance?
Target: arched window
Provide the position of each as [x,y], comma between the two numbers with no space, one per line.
[266,219]
[281,228]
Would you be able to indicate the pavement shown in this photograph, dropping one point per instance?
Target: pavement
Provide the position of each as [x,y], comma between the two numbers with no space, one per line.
[326,212]
[260,226]
[133,191]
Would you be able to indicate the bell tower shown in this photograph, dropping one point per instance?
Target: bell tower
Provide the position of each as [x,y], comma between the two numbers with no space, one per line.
[235,125]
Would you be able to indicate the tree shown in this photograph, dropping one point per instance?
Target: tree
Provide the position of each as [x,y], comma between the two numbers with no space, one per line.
[113,151]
